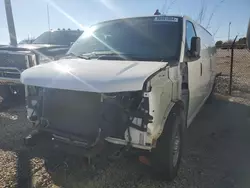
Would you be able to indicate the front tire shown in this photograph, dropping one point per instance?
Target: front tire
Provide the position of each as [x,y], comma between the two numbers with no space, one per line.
[165,158]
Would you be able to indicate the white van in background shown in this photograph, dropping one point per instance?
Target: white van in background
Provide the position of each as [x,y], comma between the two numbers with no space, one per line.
[137,82]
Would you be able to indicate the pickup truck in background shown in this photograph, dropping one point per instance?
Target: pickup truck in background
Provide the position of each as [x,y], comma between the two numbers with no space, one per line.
[27,41]
[50,45]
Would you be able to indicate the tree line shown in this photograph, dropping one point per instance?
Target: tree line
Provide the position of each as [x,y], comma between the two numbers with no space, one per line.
[239,44]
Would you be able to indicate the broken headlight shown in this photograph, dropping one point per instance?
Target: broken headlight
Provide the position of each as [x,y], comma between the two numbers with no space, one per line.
[32,101]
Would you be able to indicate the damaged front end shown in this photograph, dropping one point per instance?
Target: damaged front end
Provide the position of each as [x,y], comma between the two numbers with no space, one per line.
[126,104]
[85,118]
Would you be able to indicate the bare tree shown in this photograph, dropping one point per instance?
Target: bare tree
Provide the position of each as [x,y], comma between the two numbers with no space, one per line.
[216,31]
[163,11]
[213,12]
[201,14]
[164,6]
[170,5]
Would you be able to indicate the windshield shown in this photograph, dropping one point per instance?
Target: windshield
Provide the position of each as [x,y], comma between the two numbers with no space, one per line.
[58,37]
[140,37]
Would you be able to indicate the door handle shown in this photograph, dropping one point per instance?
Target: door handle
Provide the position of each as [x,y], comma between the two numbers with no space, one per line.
[200,69]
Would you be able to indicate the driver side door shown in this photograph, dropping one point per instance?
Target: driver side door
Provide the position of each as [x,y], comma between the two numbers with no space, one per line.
[195,75]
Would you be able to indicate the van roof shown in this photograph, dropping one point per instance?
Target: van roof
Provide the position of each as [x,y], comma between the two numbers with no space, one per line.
[179,16]
[139,17]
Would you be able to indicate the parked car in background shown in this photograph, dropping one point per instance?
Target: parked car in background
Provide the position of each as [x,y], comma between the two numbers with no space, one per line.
[50,45]
[136,82]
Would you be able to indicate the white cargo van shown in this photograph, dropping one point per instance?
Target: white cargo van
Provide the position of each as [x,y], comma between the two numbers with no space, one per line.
[137,82]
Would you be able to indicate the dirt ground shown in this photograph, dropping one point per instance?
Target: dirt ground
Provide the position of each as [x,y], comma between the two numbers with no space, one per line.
[217,156]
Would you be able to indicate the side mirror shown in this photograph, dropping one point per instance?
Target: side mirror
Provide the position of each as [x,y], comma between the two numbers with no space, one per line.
[195,47]
[248,35]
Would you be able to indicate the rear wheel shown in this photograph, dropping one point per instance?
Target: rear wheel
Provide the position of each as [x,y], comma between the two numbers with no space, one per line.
[165,158]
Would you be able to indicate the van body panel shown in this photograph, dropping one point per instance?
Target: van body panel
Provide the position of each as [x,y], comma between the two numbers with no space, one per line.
[161,93]
[201,73]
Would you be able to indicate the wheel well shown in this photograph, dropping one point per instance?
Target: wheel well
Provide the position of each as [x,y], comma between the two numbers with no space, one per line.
[178,108]
[184,74]
[185,86]
[179,105]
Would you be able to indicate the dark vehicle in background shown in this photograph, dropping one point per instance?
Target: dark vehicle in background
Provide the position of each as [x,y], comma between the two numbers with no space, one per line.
[50,45]
[27,41]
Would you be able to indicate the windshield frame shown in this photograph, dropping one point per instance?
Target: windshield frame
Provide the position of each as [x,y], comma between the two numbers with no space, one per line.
[101,24]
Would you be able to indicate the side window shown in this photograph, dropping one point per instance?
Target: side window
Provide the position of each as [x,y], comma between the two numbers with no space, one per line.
[190,32]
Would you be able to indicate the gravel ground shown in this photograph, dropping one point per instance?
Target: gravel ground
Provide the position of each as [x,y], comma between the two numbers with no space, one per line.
[241,72]
[217,155]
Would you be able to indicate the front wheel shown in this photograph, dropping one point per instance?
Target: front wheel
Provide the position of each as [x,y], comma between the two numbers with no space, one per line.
[165,158]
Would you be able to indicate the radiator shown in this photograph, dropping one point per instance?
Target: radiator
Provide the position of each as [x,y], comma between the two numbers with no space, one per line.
[72,112]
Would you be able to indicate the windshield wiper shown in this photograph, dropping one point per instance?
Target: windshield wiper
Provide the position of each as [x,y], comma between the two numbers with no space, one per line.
[97,53]
[115,55]
[78,56]
[107,55]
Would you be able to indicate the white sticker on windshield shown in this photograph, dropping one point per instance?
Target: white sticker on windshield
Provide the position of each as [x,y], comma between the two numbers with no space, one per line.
[165,19]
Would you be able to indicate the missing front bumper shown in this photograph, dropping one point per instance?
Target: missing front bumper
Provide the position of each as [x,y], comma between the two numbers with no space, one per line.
[124,142]
[46,142]
[121,117]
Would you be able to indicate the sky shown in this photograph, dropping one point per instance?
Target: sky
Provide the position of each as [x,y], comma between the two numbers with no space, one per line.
[30,16]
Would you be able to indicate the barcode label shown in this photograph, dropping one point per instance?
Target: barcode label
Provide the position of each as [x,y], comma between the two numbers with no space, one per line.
[165,19]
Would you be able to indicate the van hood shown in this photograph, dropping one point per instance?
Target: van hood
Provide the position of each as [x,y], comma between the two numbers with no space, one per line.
[101,76]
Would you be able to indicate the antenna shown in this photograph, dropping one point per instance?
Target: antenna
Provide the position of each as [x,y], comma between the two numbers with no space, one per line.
[48,16]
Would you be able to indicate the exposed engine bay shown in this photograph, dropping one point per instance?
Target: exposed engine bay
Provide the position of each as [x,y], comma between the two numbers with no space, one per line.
[127,105]
[86,117]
